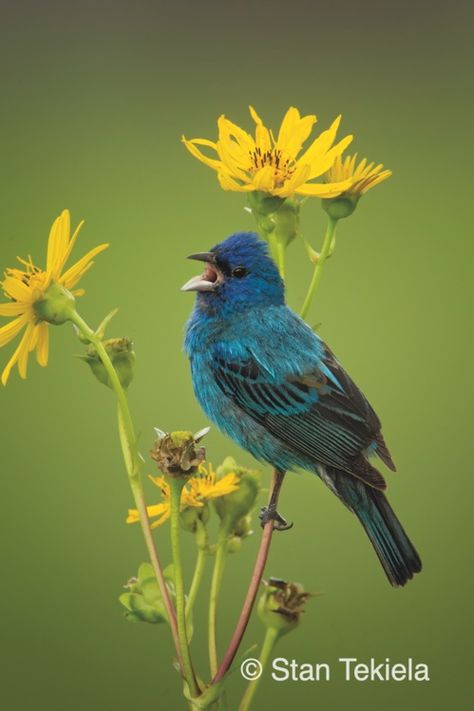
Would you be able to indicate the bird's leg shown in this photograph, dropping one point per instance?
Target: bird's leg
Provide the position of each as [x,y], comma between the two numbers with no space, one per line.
[270,513]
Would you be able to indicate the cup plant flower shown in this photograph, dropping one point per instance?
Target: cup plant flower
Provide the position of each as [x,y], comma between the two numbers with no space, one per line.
[277,172]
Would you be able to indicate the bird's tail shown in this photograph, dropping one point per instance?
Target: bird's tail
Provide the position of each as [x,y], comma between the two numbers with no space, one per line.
[393,547]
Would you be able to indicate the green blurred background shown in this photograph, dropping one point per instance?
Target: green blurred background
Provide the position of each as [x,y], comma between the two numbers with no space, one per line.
[95,96]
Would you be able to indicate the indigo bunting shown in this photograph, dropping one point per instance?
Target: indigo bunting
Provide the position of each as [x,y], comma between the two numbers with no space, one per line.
[269,382]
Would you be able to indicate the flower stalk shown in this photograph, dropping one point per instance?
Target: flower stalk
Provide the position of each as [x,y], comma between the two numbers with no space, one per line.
[328,247]
[176,486]
[133,463]
[255,581]
[216,583]
[270,639]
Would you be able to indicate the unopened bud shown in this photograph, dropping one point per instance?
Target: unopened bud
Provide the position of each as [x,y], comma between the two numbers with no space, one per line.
[232,508]
[342,206]
[122,355]
[143,601]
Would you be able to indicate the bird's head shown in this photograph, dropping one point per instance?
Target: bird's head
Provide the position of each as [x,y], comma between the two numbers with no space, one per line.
[238,274]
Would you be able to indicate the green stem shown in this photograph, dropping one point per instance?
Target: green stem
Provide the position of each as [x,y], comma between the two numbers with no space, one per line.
[271,637]
[281,259]
[318,269]
[197,580]
[215,589]
[176,486]
[133,464]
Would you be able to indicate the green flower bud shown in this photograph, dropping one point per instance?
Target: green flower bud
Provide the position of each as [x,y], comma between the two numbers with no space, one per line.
[277,218]
[192,516]
[122,355]
[176,454]
[143,600]
[233,507]
[342,206]
[241,530]
[281,605]
[56,306]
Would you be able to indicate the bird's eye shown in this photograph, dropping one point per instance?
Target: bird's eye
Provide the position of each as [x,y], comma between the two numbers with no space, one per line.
[239,272]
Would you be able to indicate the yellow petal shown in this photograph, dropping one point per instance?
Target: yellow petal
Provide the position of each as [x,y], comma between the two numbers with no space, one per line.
[22,346]
[264,179]
[371,183]
[294,131]
[299,177]
[228,183]
[57,243]
[16,289]
[13,309]
[29,341]
[11,329]
[324,189]
[229,131]
[70,247]
[322,164]
[42,349]
[233,160]
[262,134]
[320,145]
[133,516]
[191,146]
[74,273]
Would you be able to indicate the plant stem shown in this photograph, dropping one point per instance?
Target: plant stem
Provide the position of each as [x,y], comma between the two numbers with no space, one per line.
[196,581]
[215,589]
[255,581]
[271,637]
[176,486]
[318,269]
[281,259]
[133,463]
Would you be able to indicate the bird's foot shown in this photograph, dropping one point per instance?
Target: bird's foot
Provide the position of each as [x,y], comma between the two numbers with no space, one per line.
[268,513]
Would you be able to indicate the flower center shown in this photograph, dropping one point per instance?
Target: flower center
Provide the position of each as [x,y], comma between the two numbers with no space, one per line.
[284,166]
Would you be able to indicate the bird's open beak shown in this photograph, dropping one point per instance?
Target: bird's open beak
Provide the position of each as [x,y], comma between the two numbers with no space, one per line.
[211,277]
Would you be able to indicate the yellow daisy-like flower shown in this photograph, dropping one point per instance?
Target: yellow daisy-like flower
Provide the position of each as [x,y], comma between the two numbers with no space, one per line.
[199,489]
[27,287]
[271,165]
[363,177]
[206,486]
[163,509]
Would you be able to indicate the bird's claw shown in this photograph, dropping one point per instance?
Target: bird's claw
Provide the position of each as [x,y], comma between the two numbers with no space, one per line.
[268,513]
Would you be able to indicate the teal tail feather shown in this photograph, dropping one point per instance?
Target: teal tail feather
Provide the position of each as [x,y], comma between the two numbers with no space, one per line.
[394,549]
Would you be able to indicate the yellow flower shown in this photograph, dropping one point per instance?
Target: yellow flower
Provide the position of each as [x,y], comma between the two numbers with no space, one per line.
[195,493]
[28,286]
[271,165]
[163,509]
[205,485]
[363,177]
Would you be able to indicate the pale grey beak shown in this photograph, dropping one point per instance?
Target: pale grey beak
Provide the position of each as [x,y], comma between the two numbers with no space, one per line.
[211,278]
[197,283]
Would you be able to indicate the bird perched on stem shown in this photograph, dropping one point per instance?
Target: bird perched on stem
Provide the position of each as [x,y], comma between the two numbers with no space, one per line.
[271,384]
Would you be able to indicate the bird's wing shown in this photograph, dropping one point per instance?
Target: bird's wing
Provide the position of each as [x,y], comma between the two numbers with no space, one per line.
[321,414]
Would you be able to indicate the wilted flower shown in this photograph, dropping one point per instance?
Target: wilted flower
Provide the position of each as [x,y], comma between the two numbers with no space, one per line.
[282,604]
[176,454]
[41,296]
[271,165]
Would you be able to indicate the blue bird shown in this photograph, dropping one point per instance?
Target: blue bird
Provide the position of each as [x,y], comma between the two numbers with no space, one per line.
[272,385]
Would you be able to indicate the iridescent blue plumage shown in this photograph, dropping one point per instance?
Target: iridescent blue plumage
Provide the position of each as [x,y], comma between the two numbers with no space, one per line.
[270,383]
